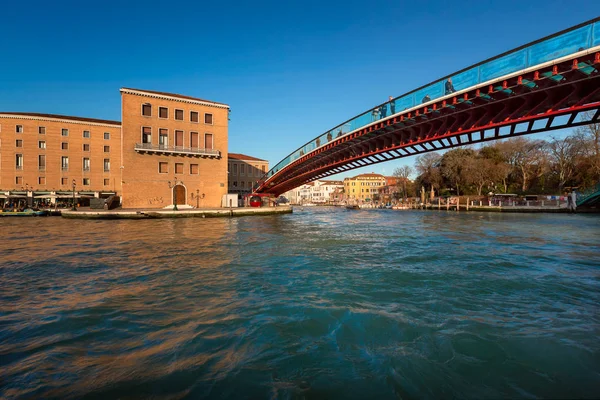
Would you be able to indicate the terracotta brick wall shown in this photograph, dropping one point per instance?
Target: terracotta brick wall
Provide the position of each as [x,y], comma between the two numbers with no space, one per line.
[51,177]
[143,185]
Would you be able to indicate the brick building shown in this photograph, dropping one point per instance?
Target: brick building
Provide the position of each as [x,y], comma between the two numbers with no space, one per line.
[244,172]
[168,148]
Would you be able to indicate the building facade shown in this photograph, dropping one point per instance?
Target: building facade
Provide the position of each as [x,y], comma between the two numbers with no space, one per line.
[244,172]
[317,192]
[364,187]
[174,150]
[169,149]
[51,154]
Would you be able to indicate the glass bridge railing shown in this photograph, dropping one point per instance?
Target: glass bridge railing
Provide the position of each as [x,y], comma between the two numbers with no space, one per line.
[564,43]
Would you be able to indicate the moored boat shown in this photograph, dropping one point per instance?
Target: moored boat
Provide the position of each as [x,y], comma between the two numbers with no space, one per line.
[28,212]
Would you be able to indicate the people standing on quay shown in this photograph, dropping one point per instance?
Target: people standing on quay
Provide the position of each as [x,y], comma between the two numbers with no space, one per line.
[449,86]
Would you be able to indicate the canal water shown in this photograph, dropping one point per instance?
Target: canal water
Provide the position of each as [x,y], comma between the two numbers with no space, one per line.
[323,303]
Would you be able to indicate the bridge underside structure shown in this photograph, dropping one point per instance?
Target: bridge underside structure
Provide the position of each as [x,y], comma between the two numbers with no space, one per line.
[547,98]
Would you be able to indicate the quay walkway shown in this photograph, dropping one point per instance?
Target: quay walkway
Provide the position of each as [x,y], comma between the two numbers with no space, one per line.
[161,213]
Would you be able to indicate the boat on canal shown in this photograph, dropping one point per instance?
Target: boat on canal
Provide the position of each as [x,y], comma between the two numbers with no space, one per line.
[28,212]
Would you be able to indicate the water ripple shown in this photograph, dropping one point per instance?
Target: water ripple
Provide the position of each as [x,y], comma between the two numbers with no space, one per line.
[323,303]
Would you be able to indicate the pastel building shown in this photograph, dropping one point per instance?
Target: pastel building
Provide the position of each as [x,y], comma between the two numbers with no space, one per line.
[364,187]
[317,192]
[167,149]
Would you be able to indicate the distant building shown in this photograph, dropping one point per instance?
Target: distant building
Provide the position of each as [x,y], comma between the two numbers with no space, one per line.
[244,172]
[364,187]
[317,192]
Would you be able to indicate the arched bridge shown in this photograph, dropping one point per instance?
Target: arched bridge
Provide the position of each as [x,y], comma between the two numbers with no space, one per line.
[542,86]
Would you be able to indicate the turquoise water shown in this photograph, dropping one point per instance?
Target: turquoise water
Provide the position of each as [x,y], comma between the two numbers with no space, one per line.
[323,303]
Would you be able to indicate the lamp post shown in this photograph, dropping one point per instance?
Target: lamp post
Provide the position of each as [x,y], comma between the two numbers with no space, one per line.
[171,186]
[74,208]
[198,197]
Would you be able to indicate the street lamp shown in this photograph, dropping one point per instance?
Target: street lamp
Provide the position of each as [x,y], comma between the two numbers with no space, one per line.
[198,197]
[175,183]
[74,208]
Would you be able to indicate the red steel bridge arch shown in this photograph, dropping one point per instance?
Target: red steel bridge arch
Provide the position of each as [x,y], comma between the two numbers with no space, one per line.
[543,97]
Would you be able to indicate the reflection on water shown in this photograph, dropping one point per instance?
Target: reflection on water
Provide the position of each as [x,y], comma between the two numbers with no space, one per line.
[322,303]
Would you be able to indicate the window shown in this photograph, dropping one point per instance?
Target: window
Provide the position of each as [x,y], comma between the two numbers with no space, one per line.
[64,162]
[194,116]
[179,115]
[163,112]
[242,169]
[234,183]
[41,144]
[107,149]
[64,146]
[86,147]
[235,169]
[106,164]
[19,143]
[264,169]
[194,140]
[19,161]
[146,110]
[64,132]
[146,134]
[42,130]
[19,129]
[106,135]
[163,167]
[41,180]
[243,184]
[86,134]
[179,168]
[19,180]
[163,138]
[208,119]
[42,162]
[178,138]
[208,141]
[194,169]
[86,164]
[256,171]
[64,181]
[106,182]
[86,181]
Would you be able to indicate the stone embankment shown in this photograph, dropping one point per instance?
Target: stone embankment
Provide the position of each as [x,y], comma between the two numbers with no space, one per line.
[194,213]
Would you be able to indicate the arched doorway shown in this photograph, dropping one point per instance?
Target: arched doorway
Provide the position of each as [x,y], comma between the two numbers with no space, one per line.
[179,195]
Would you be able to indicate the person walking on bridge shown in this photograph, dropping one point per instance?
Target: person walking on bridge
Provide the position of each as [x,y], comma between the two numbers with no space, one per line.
[449,86]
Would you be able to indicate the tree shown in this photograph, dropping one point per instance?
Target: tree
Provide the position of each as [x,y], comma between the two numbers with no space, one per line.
[402,173]
[454,167]
[479,172]
[589,138]
[563,156]
[428,167]
[526,157]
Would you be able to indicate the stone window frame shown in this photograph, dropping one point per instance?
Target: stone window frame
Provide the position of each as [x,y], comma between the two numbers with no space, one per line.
[142,110]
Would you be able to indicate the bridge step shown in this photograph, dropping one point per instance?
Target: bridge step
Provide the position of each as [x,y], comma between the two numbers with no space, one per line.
[555,78]
[586,68]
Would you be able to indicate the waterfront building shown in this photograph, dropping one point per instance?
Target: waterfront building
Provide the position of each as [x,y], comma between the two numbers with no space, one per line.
[46,154]
[317,192]
[364,187]
[168,149]
[244,172]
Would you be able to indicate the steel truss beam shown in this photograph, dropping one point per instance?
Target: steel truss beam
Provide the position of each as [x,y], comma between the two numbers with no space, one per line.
[474,120]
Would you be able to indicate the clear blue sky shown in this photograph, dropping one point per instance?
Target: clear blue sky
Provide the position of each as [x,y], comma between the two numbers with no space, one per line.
[290,70]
